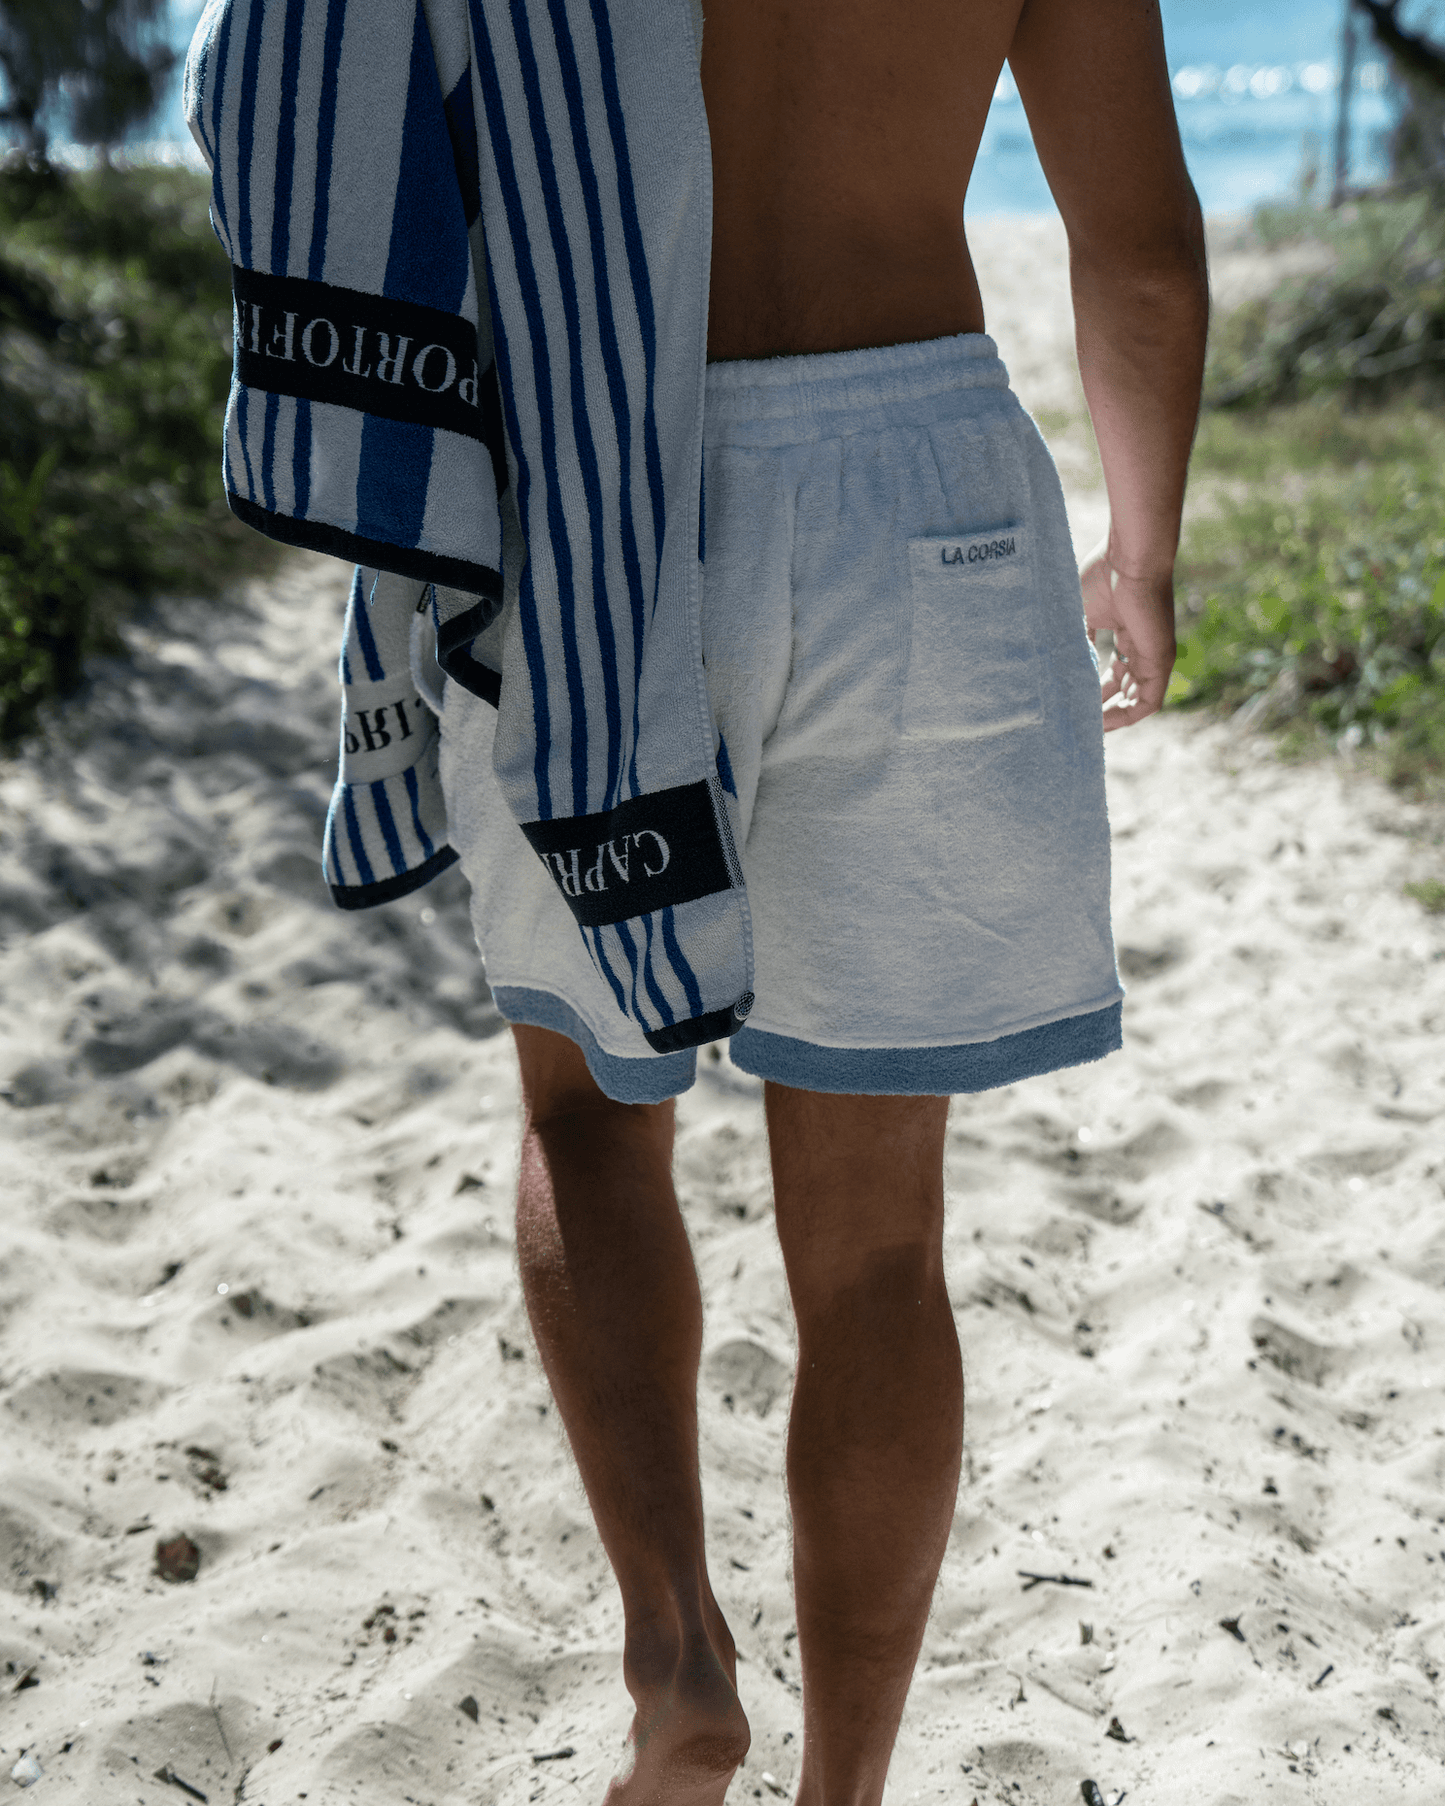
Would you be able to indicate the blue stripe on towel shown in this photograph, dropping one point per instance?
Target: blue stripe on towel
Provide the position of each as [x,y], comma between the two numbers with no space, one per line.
[222,61]
[429,259]
[353,834]
[246,134]
[649,978]
[301,458]
[330,842]
[325,138]
[637,268]
[268,451]
[286,140]
[219,47]
[604,965]
[635,1009]
[725,768]
[617,395]
[413,792]
[646,322]
[679,963]
[461,117]
[361,621]
[559,543]
[393,474]
[526,599]
[611,352]
[243,433]
[385,820]
[537,324]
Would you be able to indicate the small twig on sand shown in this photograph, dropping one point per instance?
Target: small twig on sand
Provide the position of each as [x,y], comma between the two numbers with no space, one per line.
[1058,1580]
[172,1779]
[216,1714]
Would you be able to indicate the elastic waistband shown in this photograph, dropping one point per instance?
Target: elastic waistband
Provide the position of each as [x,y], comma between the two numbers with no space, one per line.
[822,382]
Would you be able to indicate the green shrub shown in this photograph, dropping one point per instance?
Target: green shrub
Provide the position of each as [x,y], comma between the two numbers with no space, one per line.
[114,369]
[1325,599]
[1372,324]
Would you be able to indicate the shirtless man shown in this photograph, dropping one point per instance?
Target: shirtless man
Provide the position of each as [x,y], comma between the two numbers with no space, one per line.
[902,708]
[843,134]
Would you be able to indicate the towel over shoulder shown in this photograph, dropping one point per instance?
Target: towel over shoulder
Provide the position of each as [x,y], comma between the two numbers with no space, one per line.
[470,247]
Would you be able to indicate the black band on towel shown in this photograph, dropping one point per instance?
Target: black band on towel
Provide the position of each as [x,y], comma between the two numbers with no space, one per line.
[351,548]
[387,890]
[454,651]
[679,1036]
[379,356]
[648,853]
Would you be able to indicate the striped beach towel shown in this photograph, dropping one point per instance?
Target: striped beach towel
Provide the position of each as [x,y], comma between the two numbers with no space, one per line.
[470,244]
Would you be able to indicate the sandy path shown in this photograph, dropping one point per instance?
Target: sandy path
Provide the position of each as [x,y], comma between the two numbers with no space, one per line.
[256,1286]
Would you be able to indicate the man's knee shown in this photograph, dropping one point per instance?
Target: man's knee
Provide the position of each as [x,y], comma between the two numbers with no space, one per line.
[560,1095]
[858,1195]
[865,1295]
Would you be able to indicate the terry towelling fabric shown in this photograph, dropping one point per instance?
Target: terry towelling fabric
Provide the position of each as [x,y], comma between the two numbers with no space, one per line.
[470,245]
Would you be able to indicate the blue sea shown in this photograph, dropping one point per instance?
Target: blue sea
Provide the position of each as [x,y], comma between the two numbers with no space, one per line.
[1256,86]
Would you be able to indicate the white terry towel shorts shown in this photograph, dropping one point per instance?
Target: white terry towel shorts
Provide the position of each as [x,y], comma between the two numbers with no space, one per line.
[910,723]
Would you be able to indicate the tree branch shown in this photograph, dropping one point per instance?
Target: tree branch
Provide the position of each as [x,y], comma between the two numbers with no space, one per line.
[1413,51]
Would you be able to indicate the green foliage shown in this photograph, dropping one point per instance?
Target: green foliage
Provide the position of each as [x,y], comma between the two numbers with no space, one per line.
[1429,893]
[1370,326]
[1316,438]
[1324,595]
[114,370]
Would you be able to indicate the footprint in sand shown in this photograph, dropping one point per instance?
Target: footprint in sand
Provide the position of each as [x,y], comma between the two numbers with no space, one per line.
[186,1740]
[1295,1354]
[1138,964]
[31,1544]
[746,1376]
[77,1395]
[102,1216]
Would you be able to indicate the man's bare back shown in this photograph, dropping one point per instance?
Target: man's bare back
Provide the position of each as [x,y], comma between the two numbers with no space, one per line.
[843,138]
[843,134]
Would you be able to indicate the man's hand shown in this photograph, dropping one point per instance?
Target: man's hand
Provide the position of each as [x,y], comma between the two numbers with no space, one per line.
[1139,612]
[1094,81]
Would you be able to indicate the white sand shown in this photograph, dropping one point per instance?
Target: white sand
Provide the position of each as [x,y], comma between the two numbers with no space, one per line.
[258,1176]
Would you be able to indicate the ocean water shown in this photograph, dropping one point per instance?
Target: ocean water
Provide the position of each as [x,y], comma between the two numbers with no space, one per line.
[1256,86]
[1256,91]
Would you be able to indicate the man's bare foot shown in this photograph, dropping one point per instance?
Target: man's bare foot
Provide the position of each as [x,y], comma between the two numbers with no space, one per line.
[689,1732]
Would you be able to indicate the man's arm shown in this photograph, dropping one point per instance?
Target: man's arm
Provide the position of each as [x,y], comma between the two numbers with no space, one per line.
[1093,80]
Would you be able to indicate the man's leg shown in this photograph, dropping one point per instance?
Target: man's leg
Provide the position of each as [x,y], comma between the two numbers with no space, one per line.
[876,1434]
[613,1297]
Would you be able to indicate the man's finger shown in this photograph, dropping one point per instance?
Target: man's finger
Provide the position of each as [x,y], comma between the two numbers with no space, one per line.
[1147,699]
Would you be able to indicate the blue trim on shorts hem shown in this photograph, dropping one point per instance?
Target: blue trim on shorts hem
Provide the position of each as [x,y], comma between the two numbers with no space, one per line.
[649,1079]
[930,1071]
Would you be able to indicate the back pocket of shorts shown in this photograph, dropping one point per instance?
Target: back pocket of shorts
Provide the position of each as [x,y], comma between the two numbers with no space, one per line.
[973,662]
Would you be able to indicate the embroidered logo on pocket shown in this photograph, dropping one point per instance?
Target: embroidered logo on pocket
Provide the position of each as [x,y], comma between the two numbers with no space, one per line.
[973,661]
[979,551]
